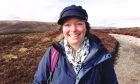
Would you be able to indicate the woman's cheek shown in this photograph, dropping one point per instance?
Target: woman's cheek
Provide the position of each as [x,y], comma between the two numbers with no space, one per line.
[66,32]
[82,30]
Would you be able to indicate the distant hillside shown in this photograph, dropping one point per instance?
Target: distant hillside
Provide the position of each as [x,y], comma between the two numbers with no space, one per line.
[16,26]
[26,26]
[101,27]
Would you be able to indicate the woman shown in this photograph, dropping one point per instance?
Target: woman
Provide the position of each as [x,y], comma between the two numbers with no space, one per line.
[82,57]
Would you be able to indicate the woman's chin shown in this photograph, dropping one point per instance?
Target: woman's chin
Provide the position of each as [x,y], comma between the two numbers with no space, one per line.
[74,42]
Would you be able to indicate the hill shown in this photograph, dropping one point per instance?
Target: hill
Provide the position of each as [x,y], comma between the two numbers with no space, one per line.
[26,26]
[21,50]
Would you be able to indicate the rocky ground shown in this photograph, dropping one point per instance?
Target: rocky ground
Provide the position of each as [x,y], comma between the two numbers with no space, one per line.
[128,62]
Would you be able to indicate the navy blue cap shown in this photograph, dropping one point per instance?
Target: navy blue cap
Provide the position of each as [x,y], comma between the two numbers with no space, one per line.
[73,10]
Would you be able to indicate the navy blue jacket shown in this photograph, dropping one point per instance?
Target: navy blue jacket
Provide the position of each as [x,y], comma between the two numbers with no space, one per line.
[90,72]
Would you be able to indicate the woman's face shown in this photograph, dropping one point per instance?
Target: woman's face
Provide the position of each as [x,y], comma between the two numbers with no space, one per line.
[74,30]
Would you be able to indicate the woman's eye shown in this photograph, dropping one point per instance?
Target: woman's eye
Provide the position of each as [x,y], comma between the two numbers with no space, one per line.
[66,25]
[80,23]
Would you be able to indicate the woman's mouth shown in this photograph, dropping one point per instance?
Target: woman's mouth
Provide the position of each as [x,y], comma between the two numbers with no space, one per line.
[74,35]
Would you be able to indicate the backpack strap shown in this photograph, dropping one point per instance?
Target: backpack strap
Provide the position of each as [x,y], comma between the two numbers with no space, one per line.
[54,58]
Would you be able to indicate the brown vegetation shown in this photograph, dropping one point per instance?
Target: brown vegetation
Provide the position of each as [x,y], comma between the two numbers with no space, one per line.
[126,31]
[21,53]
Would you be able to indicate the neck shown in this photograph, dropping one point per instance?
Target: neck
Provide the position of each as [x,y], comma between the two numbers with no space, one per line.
[75,47]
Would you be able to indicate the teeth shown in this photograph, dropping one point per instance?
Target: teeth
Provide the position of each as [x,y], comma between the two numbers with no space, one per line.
[74,35]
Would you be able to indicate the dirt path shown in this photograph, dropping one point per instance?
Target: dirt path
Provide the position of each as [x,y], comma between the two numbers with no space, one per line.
[128,62]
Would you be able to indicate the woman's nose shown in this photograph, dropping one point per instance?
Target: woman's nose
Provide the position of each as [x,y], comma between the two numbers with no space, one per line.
[73,28]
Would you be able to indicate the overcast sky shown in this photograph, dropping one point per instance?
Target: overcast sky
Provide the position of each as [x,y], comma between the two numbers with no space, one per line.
[117,13]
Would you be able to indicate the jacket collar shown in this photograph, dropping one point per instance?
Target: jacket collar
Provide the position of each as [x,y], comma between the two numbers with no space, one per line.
[94,53]
[95,48]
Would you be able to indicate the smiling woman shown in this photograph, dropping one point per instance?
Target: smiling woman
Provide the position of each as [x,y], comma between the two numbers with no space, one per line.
[83,59]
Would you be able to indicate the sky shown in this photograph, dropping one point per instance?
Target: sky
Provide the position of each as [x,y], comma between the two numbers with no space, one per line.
[107,13]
